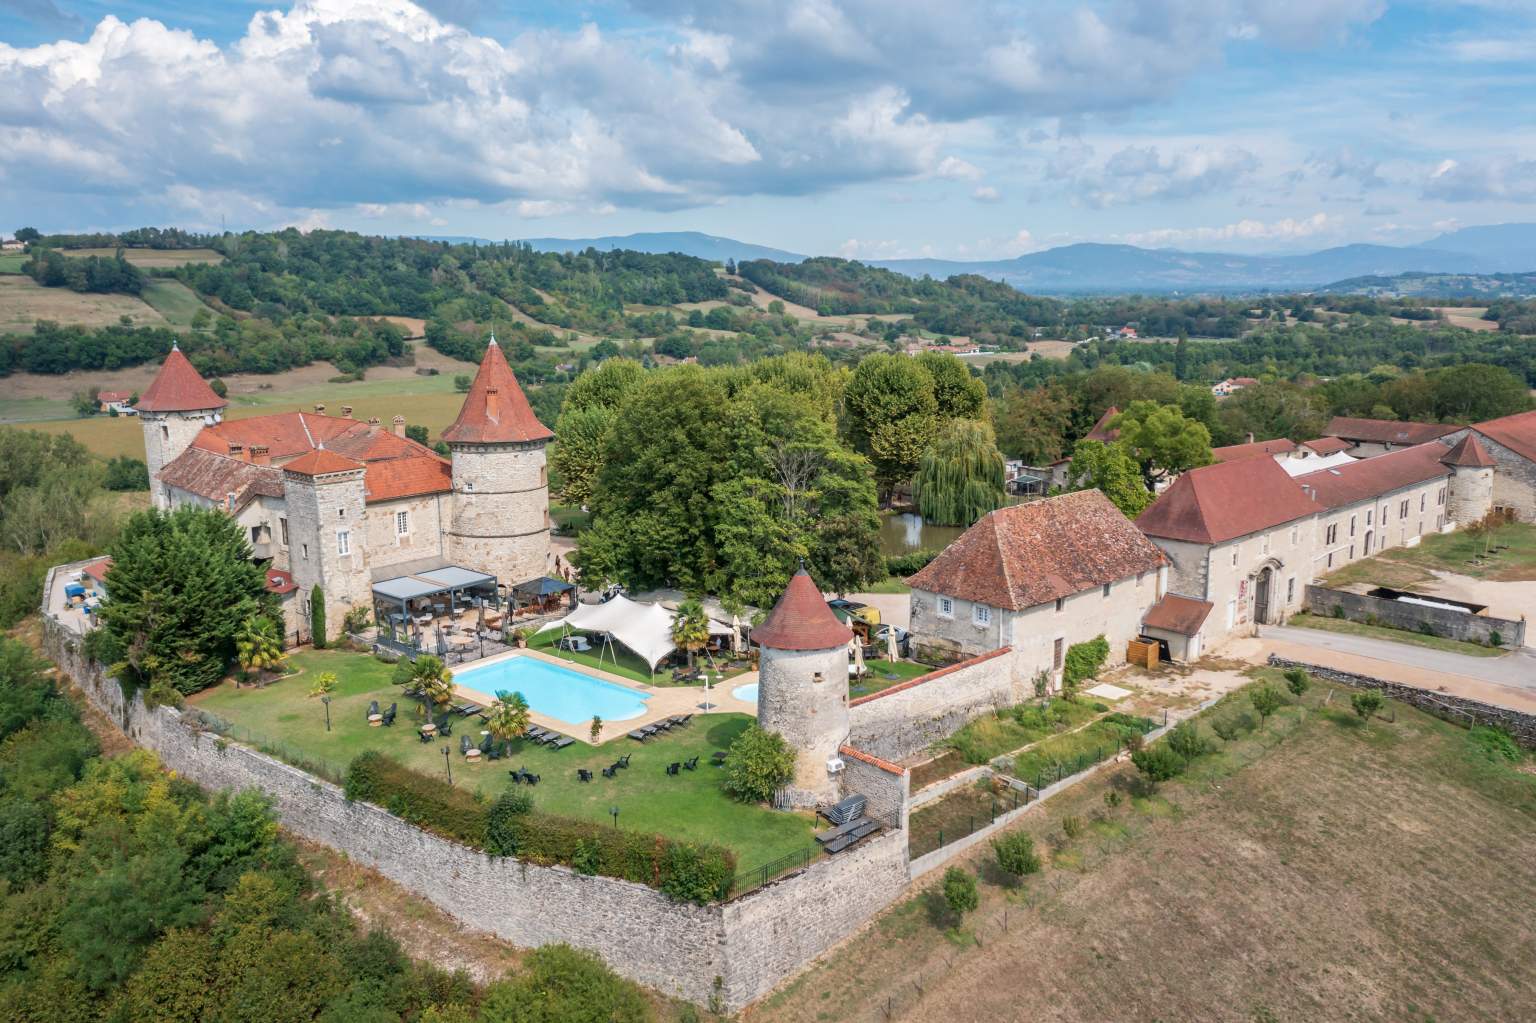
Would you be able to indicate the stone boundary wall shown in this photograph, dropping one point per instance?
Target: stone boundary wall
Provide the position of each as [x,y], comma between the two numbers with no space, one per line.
[733,952]
[1470,628]
[1459,709]
[898,722]
[883,784]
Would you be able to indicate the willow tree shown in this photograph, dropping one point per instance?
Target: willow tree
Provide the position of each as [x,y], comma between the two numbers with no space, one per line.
[960,477]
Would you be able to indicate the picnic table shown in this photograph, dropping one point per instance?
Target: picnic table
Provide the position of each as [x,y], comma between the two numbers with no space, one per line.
[429,729]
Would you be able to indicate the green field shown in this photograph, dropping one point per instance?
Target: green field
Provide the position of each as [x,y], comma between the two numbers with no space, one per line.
[173,300]
[29,410]
[11,262]
[152,257]
[285,721]
[1463,552]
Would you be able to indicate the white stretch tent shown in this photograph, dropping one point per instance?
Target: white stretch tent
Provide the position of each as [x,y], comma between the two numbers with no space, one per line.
[644,628]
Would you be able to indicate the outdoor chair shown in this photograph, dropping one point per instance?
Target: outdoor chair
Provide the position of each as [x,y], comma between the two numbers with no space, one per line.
[610,771]
[640,735]
[517,776]
[674,767]
[485,745]
[464,745]
[389,715]
[373,709]
[530,779]
[582,774]
[425,738]
[692,763]
[622,763]
[494,753]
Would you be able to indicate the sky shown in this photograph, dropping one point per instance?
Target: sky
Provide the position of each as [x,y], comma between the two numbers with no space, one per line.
[863,128]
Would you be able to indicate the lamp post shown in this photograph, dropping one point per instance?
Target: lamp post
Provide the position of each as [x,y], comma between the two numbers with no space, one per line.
[615,811]
[448,765]
[327,701]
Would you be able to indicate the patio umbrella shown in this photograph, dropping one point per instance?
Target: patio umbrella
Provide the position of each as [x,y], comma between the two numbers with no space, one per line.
[890,643]
[858,657]
[736,635]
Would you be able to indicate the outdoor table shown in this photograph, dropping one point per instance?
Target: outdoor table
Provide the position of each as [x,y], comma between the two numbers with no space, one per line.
[460,639]
[473,756]
[429,729]
[375,720]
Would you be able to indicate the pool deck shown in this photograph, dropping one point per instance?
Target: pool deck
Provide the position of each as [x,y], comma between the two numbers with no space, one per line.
[663,702]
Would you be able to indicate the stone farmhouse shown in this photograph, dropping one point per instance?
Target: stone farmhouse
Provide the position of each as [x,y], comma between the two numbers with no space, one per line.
[1037,578]
[339,503]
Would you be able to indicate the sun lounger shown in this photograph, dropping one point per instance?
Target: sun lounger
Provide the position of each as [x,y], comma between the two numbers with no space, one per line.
[640,736]
[833,834]
[861,830]
[846,810]
[674,767]
[661,726]
[563,742]
[466,709]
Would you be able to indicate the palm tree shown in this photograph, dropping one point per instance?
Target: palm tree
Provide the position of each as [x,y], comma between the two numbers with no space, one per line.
[432,677]
[258,646]
[508,717]
[690,627]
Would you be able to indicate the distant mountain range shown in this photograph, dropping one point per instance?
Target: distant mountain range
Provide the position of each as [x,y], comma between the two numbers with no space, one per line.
[1094,267]
[1428,285]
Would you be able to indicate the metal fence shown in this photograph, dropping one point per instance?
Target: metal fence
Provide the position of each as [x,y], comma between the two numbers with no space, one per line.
[755,877]
[1019,795]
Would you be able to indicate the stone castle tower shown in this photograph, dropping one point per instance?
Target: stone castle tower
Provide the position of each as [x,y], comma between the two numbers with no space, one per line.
[324,496]
[178,404]
[803,686]
[500,511]
[1471,489]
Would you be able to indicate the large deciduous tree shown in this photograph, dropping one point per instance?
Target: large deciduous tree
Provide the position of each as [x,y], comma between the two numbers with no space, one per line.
[958,393]
[182,587]
[590,407]
[889,413]
[1033,424]
[1162,439]
[960,478]
[1110,469]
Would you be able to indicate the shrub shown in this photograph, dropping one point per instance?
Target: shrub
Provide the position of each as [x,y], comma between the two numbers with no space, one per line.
[1186,741]
[1157,764]
[1265,699]
[1072,826]
[693,873]
[1226,728]
[324,684]
[1112,799]
[1495,638]
[1084,660]
[1494,743]
[1297,681]
[428,803]
[1015,853]
[501,823]
[560,984]
[960,892]
[758,764]
[1365,703]
[356,619]
[911,563]
[317,617]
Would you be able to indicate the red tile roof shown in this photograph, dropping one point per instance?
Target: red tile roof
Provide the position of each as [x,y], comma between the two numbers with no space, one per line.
[285,434]
[1253,449]
[1224,501]
[394,478]
[279,581]
[1516,432]
[322,462]
[1101,431]
[98,569]
[108,397]
[1468,452]
[1175,613]
[1033,553]
[801,620]
[215,477]
[495,409]
[1368,478]
[1386,431]
[1327,445]
[178,388]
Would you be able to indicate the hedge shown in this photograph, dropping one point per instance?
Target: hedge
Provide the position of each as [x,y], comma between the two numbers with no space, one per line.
[1084,659]
[684,871]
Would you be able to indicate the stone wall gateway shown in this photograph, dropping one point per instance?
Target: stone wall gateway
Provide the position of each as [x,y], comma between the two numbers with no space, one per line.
[897,722]
[1469,628]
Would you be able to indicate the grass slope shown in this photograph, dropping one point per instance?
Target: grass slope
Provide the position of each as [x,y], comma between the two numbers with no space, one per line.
[1314,870]
[173,300]
[1349,628]
[691,805]
[1461,552]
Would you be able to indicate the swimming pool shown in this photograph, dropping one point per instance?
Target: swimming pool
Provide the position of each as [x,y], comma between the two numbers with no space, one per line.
[746,693]
[554,690]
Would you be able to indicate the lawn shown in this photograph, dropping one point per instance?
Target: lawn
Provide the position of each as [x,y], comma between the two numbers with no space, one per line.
[993,735]
[1462,552]
[11,262]
[285,721]
[876,680]
[153,257]
[1343,625]
[1315,870]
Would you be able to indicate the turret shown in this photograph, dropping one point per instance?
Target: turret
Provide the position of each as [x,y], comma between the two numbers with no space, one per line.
[324,495]
[802,689]
[500,517]
[1471,487]
[177,405]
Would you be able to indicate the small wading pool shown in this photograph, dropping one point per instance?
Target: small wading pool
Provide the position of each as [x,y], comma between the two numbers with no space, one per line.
[555,691]
[746,693]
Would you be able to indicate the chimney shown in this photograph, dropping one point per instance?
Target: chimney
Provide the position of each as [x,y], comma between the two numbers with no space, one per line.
[235,450]
[1250,436]
[346,410]
[492,403]
[373,424]
[319,408]
[260,455]
[399,423]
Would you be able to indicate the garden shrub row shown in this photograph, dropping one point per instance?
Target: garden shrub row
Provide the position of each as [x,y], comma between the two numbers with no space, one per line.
[995,734]
[1065,755]
[684,871]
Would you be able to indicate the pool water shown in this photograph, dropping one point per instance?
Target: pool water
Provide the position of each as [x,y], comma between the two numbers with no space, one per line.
[554,690]
[746,693]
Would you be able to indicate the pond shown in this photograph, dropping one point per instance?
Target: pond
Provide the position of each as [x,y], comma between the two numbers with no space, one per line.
[904,533]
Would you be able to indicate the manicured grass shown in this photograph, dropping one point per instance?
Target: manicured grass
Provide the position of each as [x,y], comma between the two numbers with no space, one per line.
[1461,552]
[11,262]
[875,681]
[995,734]
[1349,628]
[690,805]
[890,584]
[568,518]
[26,410]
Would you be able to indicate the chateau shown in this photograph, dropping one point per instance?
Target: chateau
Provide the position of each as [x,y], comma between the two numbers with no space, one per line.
[340,503]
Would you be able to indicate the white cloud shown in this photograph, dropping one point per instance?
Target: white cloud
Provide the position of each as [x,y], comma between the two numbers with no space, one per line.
[986,193]
[1507,178]
[1284,230]
[1142,173]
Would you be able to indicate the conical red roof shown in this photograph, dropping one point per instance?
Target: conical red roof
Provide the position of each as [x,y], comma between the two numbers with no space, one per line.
[495,409]
[801,620]
[1468,452]
[178,388]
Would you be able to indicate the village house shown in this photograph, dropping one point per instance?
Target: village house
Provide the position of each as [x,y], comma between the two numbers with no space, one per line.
[1510,443]
[1367,437]
[339,503]
[1038,578]
[1232,385]
[120,402]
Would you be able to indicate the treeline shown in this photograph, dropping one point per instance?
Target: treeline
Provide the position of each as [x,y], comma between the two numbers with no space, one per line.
[53,269]
[138,238]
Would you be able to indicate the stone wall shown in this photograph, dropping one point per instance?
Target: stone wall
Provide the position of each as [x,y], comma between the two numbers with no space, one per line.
[500,517]
[884,785]
[897,722]
[1470,628]
[1459,709]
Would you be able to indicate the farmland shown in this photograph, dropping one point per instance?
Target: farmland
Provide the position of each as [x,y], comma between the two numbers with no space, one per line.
[23,302]
[1316,869]
[153,258]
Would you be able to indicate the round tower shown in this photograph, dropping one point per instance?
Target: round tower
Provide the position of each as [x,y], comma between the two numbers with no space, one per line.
[499,522]
[802,691]
[177,405]
[1471,487]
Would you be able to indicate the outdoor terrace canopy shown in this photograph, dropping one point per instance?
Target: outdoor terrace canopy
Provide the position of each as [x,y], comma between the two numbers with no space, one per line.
[452,580]
[644,628]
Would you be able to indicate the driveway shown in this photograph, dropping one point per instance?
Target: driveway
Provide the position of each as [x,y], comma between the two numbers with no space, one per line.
[1509,680]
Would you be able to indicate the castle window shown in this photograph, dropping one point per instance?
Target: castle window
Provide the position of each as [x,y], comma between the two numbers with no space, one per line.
[255,534]
[343,542]
[165,432]
[1421,501]
[1402,510]
[1351,525]
[341,513]
[1106,591]
[981,614]
[946,607]
[402,523]
[1061,604]
[1235,550]
[1290,590]
[469,486]
[282,528]
[304,551]
[1332,535]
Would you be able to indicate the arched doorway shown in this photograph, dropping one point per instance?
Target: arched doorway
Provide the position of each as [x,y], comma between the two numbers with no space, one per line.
[1261,597]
